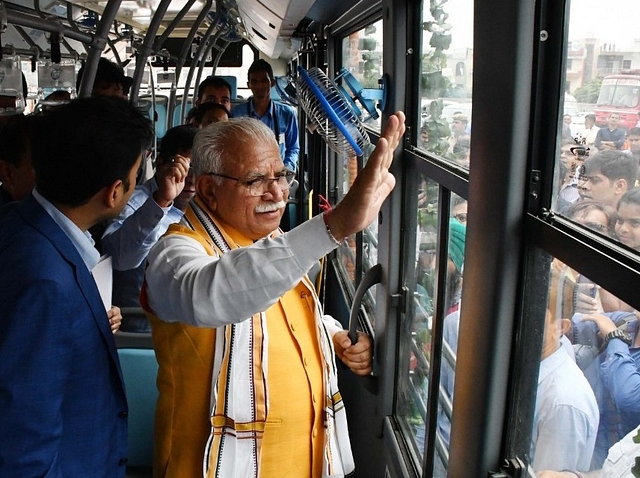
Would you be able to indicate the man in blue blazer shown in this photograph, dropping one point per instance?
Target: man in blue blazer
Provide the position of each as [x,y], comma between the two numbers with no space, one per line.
[63,410]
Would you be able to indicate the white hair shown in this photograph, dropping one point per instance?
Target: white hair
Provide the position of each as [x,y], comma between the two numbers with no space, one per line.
[217,144]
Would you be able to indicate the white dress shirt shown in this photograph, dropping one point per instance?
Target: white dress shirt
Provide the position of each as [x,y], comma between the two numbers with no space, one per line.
[566,416]
[186,284]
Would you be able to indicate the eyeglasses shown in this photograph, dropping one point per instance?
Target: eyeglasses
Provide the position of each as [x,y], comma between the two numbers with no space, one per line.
[259,186]
[596,226]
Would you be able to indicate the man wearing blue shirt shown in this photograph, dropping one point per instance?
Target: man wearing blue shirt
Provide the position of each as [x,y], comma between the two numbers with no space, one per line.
[279,117]
[153,207]
[611,137]
[620,377]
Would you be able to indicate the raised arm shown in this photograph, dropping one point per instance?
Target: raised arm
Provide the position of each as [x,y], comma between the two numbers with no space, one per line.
[361,204]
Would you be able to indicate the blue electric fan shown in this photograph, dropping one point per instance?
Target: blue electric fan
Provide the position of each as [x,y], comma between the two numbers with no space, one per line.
[331,113]
[286,88]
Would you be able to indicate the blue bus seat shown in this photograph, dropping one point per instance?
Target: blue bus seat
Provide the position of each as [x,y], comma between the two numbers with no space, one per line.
[162,103]
[177,112]
[144,107]
[236,102]
[139,370]
[233,82]
[159,116]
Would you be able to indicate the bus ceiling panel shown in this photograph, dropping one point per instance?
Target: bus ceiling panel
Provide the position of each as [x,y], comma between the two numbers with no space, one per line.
[270,25]
[346,19]
[78,21]
[33,45]
[328,11]
[36,28]
[24,41]
[136,13]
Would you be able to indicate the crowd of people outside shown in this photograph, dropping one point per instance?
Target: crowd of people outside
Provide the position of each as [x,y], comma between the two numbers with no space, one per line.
[588,402]
[588,397]
[454,145]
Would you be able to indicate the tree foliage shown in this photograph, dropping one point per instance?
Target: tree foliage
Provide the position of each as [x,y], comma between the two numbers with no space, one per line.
[438,129]
[636,468]
[435,60]
[589,92]
[434,83]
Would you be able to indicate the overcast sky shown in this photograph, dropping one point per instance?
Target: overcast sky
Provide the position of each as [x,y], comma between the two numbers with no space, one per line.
[613,21]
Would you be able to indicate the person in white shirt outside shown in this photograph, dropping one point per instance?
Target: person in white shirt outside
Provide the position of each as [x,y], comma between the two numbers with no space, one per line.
[587,135]
[458,130]
[566,414]
[620,462]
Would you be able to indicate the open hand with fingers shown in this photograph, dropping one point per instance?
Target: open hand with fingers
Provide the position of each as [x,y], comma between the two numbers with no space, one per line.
[373,184]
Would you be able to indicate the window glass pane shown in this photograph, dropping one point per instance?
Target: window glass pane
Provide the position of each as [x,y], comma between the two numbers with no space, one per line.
[450,327]
[346,253]
[416,337]
[598,143]
[415,340]
[360,69]
[445,80]
[362,58]
[588,386]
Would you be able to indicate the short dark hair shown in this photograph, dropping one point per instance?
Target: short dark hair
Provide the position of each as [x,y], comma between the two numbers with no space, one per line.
[582,208]
[191,114]
[261,65]
[635,131]
[632,196]
[176,139]
[216,82]
[591,117]
[204,107]
[614,165]
[19,129]
[86,145]
[107,74]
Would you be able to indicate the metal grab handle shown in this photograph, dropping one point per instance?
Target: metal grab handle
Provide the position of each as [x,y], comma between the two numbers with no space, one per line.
[372,277]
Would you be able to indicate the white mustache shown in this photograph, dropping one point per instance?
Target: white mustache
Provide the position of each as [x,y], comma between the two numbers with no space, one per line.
[270,206]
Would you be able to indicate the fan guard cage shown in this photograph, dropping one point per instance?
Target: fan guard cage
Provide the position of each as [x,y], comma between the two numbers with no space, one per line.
[287,91]
[331,113]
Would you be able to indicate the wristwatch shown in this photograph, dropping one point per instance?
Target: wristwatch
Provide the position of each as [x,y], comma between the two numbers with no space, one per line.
[618,334]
